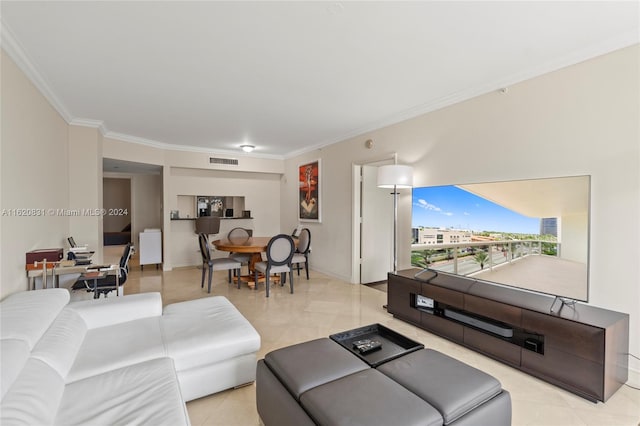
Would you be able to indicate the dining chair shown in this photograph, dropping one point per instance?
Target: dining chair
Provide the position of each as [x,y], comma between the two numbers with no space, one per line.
[279,254]
[240,233]
[301,254]
[221,264]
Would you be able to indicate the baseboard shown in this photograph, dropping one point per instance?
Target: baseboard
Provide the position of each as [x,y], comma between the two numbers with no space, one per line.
[634,377]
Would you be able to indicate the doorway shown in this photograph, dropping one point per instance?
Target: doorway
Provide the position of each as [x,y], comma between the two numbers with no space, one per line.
[116,198]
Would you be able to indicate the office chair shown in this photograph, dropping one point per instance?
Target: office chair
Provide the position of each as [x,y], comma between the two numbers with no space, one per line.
[108,283]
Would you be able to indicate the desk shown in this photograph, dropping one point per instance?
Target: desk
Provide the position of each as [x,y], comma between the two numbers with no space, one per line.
[52,271]
[55,271]
[253,245]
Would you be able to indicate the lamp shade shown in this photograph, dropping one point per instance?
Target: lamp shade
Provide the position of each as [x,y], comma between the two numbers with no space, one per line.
[396,175]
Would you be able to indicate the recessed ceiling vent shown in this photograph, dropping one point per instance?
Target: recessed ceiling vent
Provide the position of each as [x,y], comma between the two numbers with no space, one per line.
[226,161]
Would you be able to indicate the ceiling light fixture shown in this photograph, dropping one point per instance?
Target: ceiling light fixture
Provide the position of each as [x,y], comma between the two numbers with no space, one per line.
[247,148]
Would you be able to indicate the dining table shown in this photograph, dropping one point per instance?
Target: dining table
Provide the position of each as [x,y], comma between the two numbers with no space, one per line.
[252,245]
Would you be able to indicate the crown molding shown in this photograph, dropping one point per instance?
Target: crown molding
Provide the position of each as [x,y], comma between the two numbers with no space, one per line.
[15,51]
[87,122]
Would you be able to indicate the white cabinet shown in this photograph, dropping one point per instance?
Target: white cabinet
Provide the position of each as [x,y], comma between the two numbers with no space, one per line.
[150,247]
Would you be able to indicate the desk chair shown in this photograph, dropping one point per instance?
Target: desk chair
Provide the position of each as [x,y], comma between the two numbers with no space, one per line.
[302,252]
[108,283]
[279,254]
[222,264]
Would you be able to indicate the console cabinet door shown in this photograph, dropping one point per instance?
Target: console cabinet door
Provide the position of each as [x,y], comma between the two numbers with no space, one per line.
[443,327]
[573,354]
[497,311]
[452,298]
[493,346]
[401,292]
[571,372]
[567,336]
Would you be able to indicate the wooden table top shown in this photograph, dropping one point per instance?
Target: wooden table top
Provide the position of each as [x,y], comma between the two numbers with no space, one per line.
[243,245]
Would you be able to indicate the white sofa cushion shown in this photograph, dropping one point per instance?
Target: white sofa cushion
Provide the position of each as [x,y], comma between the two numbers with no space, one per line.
[206,331]
[117,346]
[61,343]
[141,394]
[13,356]
[28,314]
[34,397]
[24,318]
[115,310]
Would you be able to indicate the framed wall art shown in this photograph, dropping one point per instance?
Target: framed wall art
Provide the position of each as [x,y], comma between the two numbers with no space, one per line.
[309,200]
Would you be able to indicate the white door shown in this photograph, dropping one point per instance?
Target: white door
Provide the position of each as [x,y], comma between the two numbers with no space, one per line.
[376,236]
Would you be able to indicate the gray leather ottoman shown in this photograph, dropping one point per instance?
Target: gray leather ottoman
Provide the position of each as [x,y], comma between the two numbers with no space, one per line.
[319,382]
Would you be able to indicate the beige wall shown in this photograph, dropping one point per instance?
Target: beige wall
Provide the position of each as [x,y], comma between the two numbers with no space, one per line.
[34,175]
[262,197]
[146,196]
[577,121]
[85,187]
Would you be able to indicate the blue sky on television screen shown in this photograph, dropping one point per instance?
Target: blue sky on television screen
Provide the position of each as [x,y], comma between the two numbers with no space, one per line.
[452,207]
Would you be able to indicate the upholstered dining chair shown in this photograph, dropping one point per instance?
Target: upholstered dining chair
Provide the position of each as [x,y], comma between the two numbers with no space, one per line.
[240,234]
[279,254]
[301,254]
[221,264]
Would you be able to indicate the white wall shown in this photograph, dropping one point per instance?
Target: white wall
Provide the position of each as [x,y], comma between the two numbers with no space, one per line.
[34,175]
[582,120]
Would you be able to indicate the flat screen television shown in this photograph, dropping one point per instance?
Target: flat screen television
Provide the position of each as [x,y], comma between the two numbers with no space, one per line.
[531,234]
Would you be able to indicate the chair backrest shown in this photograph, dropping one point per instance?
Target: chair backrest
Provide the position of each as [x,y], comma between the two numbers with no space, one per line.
[204,247]
[239,234]
[72,242]
[207,225]
[304,241]
[124,263]
[280,250]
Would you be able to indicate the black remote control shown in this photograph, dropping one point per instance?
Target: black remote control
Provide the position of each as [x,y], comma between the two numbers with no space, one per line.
[367,345]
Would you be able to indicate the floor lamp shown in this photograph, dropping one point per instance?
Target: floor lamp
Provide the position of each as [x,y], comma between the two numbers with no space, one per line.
[395,176]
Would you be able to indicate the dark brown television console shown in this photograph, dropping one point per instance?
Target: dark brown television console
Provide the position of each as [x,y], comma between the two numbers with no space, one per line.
[580,348]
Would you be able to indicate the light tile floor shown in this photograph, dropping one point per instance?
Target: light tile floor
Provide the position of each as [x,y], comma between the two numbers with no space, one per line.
[324,305]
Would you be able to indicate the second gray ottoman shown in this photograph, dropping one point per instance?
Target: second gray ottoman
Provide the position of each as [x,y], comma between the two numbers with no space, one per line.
[452,387]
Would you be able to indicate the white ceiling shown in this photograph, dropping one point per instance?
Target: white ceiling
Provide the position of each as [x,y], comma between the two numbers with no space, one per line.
[289,77]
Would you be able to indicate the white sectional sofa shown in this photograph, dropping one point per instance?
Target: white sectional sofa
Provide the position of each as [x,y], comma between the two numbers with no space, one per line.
[121,360]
